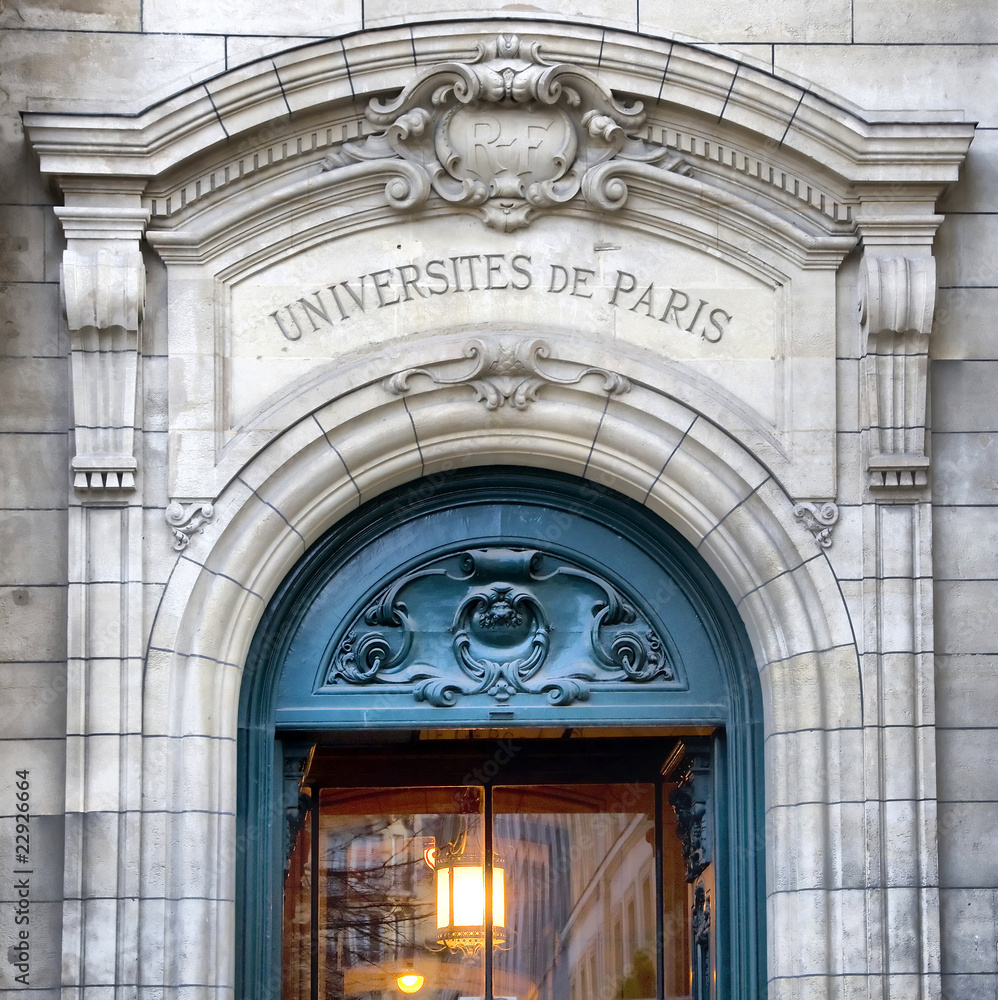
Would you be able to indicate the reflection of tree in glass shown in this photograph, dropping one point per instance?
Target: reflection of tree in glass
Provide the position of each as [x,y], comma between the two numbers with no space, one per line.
[373,902]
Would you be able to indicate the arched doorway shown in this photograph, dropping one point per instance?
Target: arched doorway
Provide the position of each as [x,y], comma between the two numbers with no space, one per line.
[510,604]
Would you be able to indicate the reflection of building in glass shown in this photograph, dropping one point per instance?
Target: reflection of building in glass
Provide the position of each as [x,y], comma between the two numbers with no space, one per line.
[580,900]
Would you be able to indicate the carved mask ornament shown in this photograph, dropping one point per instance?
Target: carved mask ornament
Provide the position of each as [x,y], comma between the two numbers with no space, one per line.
[499,622]
[508,134]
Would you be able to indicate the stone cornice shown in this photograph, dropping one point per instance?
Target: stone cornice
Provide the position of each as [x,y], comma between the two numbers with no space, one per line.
[720,87]
[323,202]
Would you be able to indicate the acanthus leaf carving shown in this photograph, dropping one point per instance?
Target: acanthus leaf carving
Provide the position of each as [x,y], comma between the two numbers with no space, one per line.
[505,372]
[185,522]
[819,518]
[896,304]
[508,134]
[511,632]
[103,294]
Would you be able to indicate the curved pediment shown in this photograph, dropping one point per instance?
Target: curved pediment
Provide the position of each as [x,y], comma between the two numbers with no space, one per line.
[714,99]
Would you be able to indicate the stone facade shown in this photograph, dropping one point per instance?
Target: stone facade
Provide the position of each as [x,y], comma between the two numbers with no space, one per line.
[262,265]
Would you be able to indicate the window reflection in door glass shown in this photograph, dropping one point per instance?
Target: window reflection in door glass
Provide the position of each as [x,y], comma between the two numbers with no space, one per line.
[577,908]
[581,919]
[378,896]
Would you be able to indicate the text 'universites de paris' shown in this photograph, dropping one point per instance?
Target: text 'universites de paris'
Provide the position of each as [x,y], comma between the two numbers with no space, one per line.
[496,272]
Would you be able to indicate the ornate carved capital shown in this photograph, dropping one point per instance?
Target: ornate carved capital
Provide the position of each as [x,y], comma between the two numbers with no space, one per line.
[103,295]
[508,134]
[689,765]
[896,302]
[819,519]
[509,373]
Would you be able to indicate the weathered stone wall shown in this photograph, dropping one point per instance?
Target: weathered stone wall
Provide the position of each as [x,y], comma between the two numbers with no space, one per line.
[101,55]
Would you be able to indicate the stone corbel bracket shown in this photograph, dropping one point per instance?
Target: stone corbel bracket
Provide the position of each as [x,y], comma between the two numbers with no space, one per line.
[103,296]
[896,303]
[507,134]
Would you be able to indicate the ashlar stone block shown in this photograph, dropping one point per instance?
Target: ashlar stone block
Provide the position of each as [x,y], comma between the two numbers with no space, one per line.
[298,17]
[923,22]
[967,858]
[81,15]
[740,21]
[924,77]
[966,690]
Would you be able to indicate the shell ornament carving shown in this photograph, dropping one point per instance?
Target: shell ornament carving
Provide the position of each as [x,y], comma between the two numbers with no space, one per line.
[513,630]
[508,134]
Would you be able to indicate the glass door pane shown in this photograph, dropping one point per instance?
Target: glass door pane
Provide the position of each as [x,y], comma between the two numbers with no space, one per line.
[580,894]
[398,893]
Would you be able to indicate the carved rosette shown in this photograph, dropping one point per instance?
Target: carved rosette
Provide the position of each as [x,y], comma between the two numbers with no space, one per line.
[510,373]
[896,302]
[507,134]
[498,622]
[103,295]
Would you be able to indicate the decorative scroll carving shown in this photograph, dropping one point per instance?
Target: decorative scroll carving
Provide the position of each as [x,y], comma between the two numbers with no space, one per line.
[499,622]
[103,296]
[508,134]
[508,373]
[896,302]
[819,519]
[188,521]
[690,766]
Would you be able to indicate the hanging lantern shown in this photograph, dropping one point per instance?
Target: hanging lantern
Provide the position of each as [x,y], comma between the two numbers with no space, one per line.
[461,903]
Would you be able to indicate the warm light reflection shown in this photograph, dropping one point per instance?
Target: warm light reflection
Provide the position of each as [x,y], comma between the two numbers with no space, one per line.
[409,982]
[461,905]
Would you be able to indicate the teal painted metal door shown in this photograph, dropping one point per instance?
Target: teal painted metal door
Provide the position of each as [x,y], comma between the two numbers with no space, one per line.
[513,599]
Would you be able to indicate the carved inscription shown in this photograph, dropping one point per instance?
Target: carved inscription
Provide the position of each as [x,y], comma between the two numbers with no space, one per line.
[507,149]
[514,273]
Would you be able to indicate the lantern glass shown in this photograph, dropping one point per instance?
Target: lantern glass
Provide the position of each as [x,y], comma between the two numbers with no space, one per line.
[465,885]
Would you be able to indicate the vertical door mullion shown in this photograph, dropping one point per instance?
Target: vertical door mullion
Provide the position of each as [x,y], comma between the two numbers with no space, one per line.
[659,895]
[314,900]
[487,875]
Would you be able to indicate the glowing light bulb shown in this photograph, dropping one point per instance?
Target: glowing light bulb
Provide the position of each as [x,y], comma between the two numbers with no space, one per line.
[409,981]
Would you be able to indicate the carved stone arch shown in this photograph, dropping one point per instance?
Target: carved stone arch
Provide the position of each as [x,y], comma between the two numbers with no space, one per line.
[714,491]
